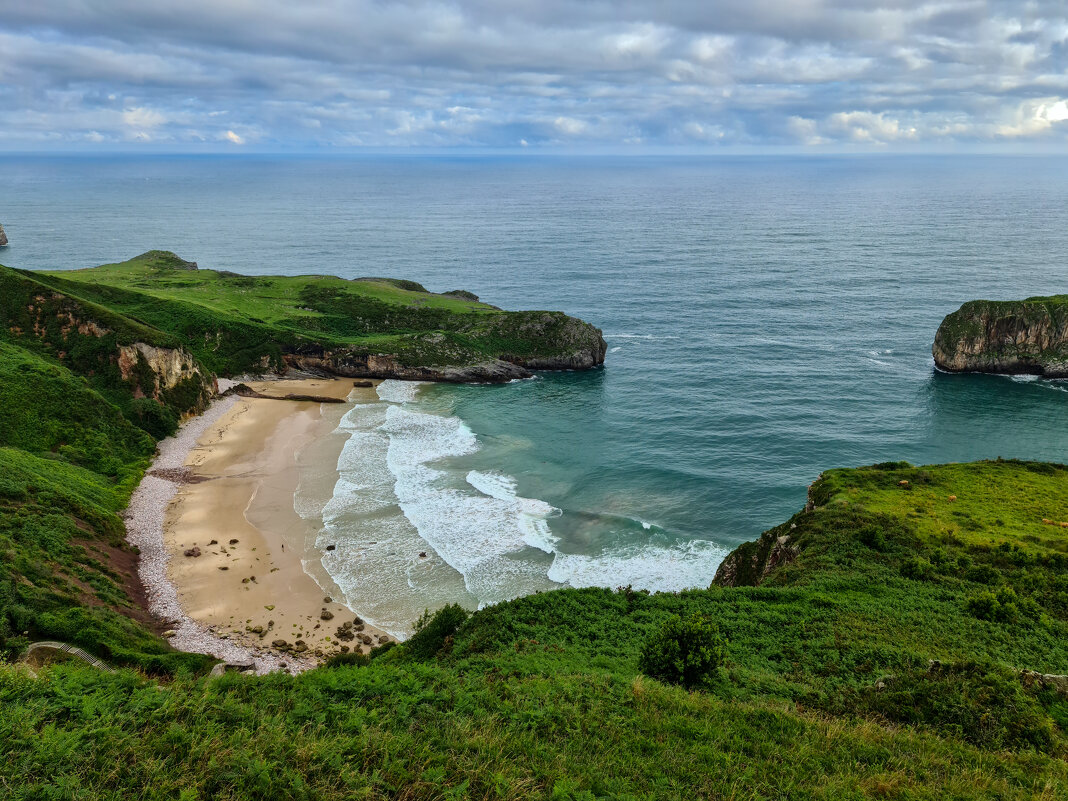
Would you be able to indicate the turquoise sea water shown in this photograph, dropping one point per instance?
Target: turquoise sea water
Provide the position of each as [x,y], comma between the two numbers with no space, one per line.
[766,318]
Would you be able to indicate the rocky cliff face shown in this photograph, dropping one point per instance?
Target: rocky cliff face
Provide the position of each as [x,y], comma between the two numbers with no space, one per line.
[751,562]
[524,341]
[160,372]
[3,237]
[1015,337]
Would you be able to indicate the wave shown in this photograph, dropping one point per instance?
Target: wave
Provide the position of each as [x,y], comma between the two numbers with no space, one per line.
[644,567]
[396,391]
[409,533]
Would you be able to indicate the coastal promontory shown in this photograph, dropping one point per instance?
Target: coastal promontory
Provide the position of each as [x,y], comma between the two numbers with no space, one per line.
[1011,337]
[365,328]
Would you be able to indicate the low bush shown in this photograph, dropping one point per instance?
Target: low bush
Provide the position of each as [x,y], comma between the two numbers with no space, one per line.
[686,651]
[433,632]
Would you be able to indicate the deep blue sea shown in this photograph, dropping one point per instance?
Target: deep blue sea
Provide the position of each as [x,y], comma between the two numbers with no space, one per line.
[767,318]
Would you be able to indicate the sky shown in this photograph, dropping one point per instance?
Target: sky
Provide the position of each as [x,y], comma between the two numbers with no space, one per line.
[534,75]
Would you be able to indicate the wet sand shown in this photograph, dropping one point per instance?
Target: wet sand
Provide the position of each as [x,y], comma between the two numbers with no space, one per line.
[248,584]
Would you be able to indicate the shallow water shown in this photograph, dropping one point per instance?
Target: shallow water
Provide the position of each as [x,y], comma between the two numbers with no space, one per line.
[766,318]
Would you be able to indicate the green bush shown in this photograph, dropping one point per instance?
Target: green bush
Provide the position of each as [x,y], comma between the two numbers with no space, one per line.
[433,632]
[998,607]
[685,651]
[150,415]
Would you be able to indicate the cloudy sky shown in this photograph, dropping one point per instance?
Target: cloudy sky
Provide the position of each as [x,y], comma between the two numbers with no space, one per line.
[623,76]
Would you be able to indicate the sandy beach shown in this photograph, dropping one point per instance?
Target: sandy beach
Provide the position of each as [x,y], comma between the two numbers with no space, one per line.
[239,590]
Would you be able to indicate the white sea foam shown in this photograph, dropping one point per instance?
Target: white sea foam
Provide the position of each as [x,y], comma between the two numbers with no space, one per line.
[644,567]
[531,515]
[408,533]
[477,535]
[617,347]
[396,391]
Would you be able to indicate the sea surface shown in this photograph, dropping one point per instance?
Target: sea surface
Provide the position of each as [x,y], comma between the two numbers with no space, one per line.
[767,318]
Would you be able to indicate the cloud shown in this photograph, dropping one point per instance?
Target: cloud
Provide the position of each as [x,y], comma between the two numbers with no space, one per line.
[829,74]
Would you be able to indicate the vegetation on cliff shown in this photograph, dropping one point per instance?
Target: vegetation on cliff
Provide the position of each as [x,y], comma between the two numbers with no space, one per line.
[1012,336]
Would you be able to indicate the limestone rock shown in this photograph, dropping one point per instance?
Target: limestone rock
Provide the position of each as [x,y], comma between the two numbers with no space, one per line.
[1011,337]
[3,237]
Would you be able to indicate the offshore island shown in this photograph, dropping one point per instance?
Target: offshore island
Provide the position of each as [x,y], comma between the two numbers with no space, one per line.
[903,635]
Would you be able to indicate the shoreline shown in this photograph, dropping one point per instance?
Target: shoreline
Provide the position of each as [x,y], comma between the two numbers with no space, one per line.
[225,585]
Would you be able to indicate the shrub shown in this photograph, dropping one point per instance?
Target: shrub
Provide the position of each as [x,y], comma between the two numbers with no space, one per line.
[998,607]
[150,415]
[433,630]
[352,658]
[917,568]
[685,651]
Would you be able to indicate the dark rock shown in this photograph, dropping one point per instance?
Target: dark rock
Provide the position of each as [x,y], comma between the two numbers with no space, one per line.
[328,600]
[224,567]
[463,294]
[233,542]
[363,383]
[751,562]
[280,644]
[326,614]
[213,542]
[194,551]
[422,554]
[330,547]
[365,639]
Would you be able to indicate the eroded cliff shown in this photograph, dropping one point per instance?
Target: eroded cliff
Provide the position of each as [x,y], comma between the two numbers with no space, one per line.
[1014,337]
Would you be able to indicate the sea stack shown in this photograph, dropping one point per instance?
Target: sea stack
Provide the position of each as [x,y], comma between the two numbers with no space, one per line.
[3,237]
[1013,337]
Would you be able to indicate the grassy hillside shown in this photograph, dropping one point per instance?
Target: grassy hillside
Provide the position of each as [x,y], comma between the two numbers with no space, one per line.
[237,323]
[827,689]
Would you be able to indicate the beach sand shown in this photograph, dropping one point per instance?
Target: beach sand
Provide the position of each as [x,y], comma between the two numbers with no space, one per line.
[248,584]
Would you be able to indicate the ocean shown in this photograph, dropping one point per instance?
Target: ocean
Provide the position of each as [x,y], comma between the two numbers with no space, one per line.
[767,318]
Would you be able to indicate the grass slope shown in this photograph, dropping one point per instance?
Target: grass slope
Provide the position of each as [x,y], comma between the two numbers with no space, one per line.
[826,692]
[237,323]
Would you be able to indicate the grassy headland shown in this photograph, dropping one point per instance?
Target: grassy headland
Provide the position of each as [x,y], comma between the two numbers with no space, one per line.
[372,327]
[903,637]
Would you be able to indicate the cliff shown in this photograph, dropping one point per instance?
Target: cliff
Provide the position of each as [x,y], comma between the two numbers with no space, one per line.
[122,358]
[3,237]
[1013,337]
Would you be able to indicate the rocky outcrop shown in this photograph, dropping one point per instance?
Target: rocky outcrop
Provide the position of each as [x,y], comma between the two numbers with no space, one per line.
[355,363]
[1011,337]
[751,562]
[170,375]
[526,341]
[3,237]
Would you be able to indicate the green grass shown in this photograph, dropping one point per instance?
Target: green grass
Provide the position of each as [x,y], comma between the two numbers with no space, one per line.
[51,412]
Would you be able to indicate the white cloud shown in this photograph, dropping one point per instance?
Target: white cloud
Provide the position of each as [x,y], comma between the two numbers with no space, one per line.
[570,126]
[139,117]
[868,127]
[1035,117]
[233,137]
[349,73]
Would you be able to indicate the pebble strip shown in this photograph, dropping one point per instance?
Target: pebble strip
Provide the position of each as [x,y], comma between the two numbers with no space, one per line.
[144,528]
